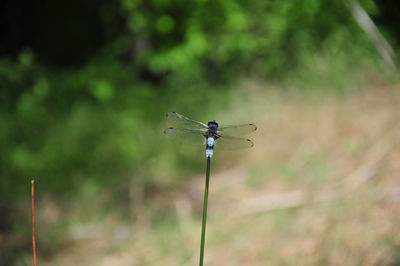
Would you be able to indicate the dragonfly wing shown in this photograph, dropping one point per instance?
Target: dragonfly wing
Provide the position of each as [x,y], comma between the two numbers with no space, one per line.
[176,120]
[194,137]
[237,130]
[232,143]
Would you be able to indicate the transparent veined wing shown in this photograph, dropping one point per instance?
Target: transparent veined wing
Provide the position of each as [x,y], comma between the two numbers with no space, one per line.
[232,143]
[194,137]
[237,130]
[176,120]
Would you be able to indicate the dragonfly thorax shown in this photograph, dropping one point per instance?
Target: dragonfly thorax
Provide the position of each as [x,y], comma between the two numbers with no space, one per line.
[212,129]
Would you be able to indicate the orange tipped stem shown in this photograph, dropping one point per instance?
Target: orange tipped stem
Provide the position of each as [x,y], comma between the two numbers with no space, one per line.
[33,221]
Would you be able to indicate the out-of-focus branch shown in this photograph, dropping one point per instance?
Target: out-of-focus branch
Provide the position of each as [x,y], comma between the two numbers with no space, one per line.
[368,26]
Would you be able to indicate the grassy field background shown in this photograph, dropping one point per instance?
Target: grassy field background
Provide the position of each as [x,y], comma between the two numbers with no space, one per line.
[320,187]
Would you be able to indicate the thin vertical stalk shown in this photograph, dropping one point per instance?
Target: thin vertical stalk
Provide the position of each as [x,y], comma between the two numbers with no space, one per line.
[203,225]
[33,221]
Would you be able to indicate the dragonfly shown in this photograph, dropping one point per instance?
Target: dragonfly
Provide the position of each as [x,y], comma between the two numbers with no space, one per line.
[211,134]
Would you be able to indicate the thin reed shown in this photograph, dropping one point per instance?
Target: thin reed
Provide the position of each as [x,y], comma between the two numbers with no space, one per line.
[203,224]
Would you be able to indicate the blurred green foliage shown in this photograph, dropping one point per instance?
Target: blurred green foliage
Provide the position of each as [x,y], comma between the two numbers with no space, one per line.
[84,86]
[97,120]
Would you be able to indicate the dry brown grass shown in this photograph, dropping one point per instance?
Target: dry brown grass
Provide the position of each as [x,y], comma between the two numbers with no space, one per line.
[321,187]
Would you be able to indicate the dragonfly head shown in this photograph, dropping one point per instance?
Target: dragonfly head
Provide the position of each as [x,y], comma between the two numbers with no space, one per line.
[213,124]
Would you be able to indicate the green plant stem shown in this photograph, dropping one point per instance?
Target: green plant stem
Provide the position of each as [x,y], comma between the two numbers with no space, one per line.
[203,225]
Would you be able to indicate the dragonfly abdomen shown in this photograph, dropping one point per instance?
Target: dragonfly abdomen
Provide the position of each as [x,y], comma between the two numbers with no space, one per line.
[210,147]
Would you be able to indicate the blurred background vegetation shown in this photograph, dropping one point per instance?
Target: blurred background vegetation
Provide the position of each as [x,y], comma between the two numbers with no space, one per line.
[85,85]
